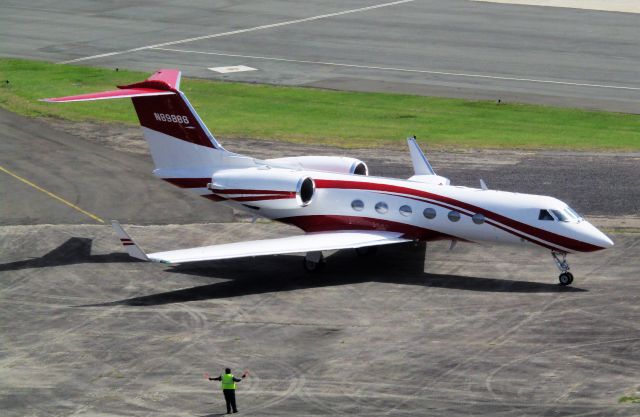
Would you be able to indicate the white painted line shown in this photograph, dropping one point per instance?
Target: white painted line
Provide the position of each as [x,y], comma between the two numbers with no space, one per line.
[236,68]
[235,32]
[454,74]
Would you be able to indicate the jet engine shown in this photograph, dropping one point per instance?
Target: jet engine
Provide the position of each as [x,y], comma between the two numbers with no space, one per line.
[264,187]
[337,164]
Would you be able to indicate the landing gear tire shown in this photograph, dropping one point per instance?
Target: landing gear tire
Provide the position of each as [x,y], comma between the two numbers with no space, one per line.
[566,278]
[560,258]
[313,267]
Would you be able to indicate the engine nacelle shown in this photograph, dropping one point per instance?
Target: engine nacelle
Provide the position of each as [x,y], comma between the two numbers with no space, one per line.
[264,187]
[336,164]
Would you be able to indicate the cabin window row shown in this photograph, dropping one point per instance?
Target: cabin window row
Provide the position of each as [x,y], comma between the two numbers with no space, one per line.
[406,210]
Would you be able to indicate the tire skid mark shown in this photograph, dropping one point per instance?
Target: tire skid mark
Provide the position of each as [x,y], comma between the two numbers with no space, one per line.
[489,380]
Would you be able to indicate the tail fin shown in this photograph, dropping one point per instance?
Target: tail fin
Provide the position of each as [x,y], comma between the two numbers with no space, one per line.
[171,126]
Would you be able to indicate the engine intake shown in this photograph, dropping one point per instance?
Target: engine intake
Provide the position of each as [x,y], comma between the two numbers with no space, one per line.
[305,191]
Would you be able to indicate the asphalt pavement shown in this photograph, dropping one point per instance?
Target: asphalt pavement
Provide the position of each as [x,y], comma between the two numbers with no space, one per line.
[454,48]
[473,331]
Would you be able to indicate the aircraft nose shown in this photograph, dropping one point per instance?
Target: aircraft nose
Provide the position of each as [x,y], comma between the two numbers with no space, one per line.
[599,239]
[604,241]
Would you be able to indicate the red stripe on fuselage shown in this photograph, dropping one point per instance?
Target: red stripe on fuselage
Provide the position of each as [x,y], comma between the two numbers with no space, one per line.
[491,222]
[566,242]
[189,182]
[326,223]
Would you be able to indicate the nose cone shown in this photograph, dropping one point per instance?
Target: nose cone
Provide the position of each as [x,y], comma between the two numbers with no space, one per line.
[596,237]
[604,241]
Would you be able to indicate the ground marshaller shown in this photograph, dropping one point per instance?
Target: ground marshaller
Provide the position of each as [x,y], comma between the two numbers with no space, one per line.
[228,383]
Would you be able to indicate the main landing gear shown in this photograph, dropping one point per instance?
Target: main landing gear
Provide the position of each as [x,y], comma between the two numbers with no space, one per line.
[566,277]
[313,262]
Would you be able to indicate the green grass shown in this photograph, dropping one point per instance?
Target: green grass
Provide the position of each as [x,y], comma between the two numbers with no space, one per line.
[629,399]
[307,115]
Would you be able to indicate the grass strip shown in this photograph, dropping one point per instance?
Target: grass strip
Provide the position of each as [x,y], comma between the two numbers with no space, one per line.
[305,115]
[629,399]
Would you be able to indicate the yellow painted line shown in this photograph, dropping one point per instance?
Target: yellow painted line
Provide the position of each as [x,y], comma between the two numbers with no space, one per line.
[50,194]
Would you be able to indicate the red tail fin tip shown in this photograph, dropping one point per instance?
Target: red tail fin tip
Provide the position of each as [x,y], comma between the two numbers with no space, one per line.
[164,79]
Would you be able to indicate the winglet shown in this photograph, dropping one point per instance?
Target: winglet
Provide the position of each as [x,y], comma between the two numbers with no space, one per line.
[423,171]
[421,165]
[129,245]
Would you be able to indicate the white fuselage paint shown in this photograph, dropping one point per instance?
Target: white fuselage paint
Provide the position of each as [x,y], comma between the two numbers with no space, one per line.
[268,189]
[509,218]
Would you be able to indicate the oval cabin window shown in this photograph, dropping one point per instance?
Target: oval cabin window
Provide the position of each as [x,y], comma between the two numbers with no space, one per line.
[406,210]
[429,213]
[382,207]
[478,218]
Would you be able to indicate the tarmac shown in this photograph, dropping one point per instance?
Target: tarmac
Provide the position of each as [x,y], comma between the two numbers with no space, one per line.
[476,330]
[453,48]
[414,331]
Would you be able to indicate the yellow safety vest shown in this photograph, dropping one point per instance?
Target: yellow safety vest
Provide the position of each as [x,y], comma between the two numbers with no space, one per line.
[227,381]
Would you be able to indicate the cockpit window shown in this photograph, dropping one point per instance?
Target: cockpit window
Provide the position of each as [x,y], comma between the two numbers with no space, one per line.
[572,213]
[545,215]
[561,215]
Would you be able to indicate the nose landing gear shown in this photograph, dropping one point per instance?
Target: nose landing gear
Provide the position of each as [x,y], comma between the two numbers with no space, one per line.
[566,277]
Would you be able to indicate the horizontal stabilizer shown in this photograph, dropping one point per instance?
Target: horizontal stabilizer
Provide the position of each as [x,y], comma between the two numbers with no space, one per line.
[105,95]
[161,83]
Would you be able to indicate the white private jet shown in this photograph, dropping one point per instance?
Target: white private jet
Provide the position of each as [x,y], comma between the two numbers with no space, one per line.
[333,199]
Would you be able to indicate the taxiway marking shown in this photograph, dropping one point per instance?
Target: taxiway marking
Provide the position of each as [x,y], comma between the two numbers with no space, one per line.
[235,32]
[50,194]
[419,71]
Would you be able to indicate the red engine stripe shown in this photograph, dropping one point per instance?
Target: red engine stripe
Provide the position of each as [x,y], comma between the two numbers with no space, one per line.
[241,191]
[261,198]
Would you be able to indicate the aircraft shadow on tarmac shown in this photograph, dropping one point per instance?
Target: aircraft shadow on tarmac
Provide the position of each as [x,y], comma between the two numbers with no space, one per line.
[400,264]
[76,250]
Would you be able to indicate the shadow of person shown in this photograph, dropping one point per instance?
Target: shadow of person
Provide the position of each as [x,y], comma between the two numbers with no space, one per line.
[399,265]
[75,250]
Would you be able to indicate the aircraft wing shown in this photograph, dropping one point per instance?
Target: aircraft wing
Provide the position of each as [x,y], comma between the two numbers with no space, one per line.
[310,242]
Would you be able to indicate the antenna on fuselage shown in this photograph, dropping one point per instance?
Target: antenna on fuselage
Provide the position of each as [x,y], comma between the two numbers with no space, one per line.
[483,185]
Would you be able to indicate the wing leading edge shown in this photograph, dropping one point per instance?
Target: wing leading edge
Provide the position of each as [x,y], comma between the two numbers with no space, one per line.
[310,242]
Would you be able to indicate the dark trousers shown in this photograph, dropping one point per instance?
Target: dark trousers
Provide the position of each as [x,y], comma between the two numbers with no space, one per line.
[230,398]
